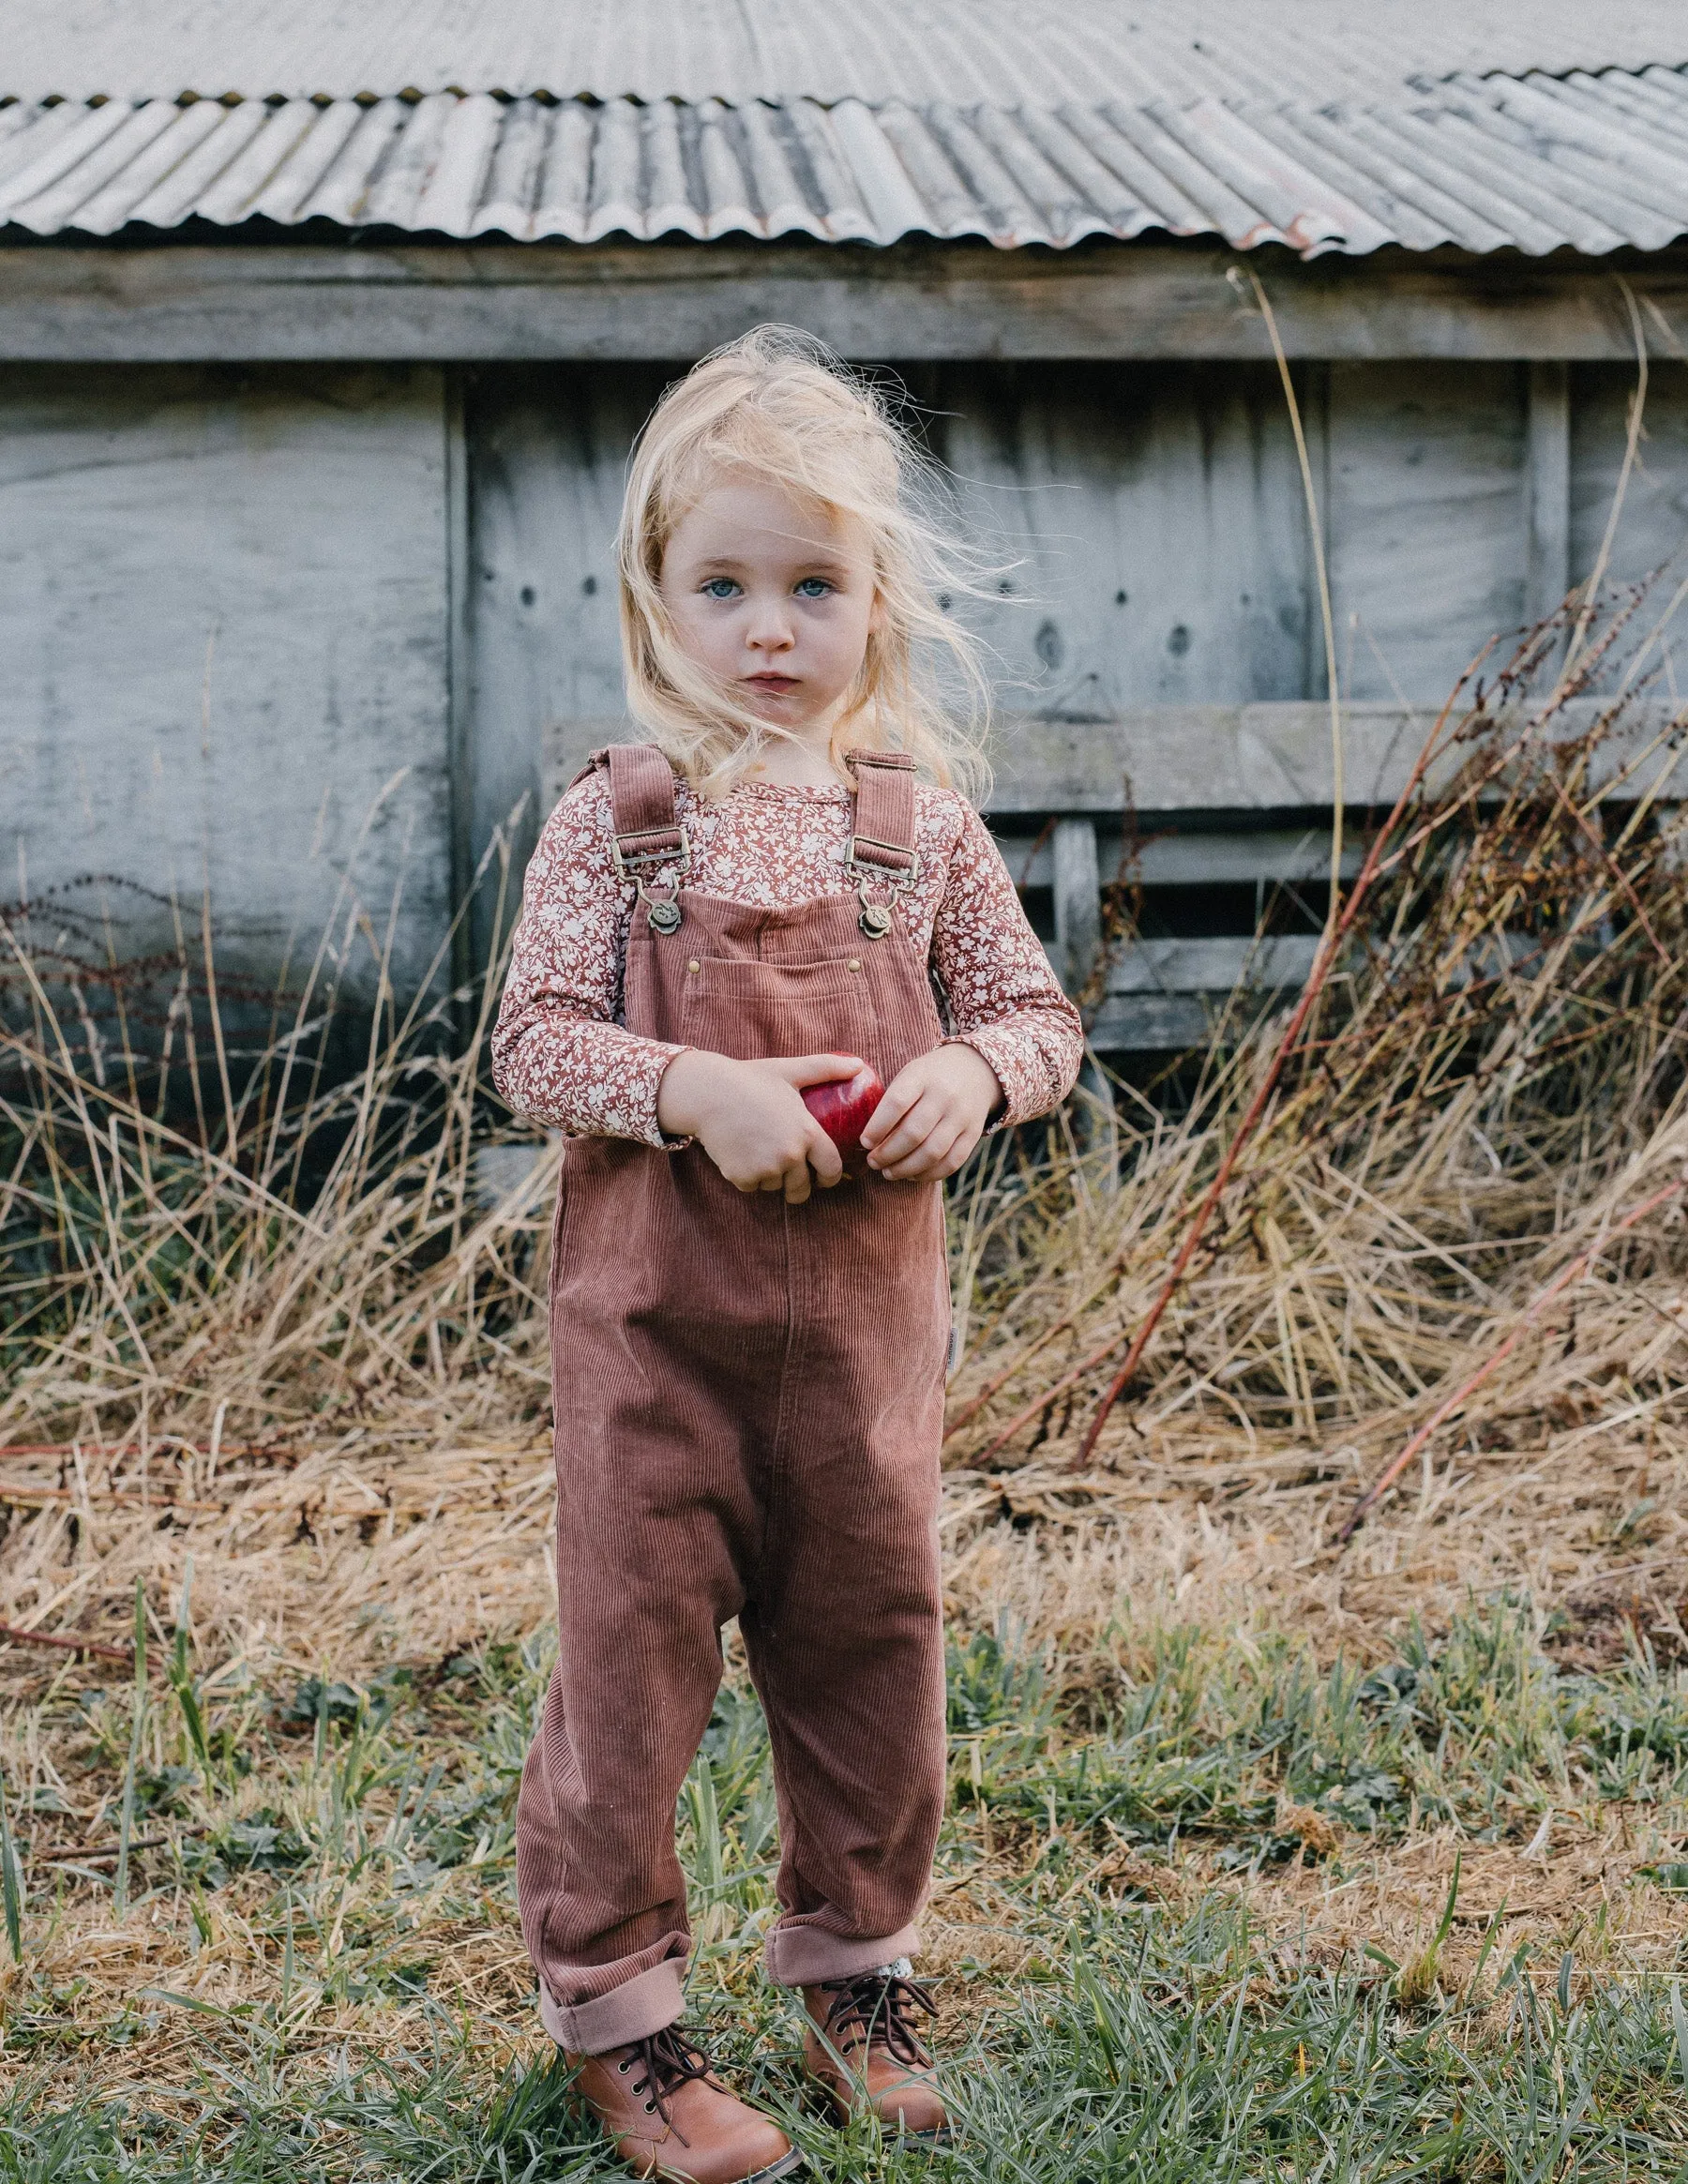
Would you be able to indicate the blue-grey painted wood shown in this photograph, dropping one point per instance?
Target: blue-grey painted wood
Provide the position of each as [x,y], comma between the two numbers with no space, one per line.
[1652,527]
[548,459]
[1425,522]
[1154,516]
[288,526]
[1547,489]
[509,303]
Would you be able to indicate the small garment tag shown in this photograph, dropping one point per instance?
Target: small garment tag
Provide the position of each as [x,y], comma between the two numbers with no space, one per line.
[954,1349]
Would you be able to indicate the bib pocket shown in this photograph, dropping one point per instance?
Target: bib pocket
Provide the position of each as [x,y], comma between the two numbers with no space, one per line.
[751,1008]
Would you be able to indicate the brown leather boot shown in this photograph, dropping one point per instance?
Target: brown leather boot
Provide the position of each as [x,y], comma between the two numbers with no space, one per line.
[669,2114]
[860,2044]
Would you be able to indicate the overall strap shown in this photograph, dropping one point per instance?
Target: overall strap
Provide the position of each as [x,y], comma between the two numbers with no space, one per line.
[883,847]
[642,797]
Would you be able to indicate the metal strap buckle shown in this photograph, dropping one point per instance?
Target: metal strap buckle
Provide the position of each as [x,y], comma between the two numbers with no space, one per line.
[892,875]
[629,861]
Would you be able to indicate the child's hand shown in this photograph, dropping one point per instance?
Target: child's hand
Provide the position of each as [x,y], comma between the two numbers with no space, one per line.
[750,1119]
[933,1114]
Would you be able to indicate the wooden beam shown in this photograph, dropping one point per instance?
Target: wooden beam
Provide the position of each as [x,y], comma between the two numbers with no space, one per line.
[1192,857]
[472,302]
[1078,883]
[1167,762]
[459,741]
[1546,488]
[1213,966]
[1209,764]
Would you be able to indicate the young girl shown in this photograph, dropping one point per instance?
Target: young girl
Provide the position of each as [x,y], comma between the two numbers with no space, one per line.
[748,1347]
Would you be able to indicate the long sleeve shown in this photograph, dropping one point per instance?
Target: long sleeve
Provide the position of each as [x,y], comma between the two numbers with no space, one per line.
[558,1053]
[561,1053]
[1005,1002]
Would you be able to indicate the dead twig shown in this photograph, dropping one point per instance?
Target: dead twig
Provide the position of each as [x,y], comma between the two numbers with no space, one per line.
[15,1634]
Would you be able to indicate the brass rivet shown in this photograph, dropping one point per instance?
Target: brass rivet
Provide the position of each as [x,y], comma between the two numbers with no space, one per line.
[693,964]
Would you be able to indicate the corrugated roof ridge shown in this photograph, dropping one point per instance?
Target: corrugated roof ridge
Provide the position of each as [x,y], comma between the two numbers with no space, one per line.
[1592,158]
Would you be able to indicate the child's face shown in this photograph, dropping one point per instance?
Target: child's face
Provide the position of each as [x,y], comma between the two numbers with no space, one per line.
[774,597]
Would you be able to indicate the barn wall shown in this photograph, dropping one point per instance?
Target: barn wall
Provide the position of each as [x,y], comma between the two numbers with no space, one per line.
[1652,525]
[1154,518]
[1147,519]
[222,615]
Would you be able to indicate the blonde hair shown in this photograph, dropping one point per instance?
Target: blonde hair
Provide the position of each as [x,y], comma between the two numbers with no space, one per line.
[776,404]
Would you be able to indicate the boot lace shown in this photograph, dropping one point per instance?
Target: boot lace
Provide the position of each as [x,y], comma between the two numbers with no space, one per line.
[668,2060]
[877,2006]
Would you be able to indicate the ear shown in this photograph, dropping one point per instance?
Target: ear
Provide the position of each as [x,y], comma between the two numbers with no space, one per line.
[877,614]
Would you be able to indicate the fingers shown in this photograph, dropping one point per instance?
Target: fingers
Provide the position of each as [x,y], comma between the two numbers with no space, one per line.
[794,1168]
[800,1069]
[920,1116]
[904,1090]
[825,1159]
[941,1154]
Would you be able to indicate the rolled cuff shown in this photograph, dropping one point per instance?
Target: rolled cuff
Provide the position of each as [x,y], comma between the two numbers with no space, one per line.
[634,2010]
[803,1956]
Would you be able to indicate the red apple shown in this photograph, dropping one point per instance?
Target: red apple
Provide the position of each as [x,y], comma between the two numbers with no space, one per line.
[842,1106]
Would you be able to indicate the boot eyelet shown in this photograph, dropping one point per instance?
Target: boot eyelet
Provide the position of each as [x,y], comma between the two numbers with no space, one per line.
[650,2107]
[622,2068]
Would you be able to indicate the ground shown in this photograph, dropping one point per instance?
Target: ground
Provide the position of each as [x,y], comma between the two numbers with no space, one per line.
[1262,1853]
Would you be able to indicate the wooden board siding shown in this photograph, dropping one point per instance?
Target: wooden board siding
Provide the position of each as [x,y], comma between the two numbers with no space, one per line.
[547,454]
[409,574]
[1153,514]
[487,302]
[291,523]
[1654,526]
[1425,513]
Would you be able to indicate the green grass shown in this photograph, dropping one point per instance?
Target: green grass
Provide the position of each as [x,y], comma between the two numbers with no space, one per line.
[333,1990]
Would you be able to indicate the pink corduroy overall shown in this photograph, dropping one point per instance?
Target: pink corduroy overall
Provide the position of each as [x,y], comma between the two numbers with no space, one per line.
[748,1402]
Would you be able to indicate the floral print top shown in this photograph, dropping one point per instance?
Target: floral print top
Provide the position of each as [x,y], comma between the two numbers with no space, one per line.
[561,1051]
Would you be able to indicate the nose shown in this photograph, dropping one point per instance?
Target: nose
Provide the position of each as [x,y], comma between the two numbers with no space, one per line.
[769,630]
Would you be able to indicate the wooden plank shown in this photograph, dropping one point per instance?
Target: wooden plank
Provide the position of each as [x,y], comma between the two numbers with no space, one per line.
[1547,489]
[1146,525]
[548,455]
[291,524]
[1425,545]
[1168,996]
[1153,1023]
[1077,886]
[1202,762]
[1213,966]
[459,693]
[1168,761]
[1654,521]
[484,301]
[1267,856]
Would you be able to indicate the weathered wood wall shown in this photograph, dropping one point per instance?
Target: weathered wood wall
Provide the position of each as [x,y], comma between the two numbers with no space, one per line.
[407,573]
[1156,513]
[223,619]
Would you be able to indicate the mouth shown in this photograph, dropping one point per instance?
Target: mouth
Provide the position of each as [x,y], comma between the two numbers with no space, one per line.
[772,685]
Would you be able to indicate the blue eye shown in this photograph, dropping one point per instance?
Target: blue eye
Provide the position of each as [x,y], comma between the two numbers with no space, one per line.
[719,588]
[813,588]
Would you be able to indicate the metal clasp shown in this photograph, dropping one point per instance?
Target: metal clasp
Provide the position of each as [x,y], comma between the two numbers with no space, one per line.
[875,919]
[663,911]
[628,861]
[893,875]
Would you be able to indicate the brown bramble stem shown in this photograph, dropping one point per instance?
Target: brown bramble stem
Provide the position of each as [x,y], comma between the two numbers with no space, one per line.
[1335,932]
[15,1634]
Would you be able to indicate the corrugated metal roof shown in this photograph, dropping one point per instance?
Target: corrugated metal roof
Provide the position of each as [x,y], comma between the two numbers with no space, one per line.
[1537,162]
[965,52]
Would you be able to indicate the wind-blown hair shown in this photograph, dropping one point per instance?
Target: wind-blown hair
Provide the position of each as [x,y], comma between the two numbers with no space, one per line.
[777,405]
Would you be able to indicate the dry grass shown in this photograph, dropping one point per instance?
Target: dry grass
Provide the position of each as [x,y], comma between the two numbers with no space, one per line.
[296,1353]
